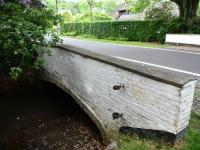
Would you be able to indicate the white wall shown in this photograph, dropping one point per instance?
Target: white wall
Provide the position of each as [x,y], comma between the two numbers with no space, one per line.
[144,102]
[183,39]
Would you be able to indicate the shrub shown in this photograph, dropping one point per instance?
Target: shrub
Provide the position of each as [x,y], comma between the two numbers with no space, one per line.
[145,31]
[160,11]
[196,27]
[129,30]
[22,37]
[175,26]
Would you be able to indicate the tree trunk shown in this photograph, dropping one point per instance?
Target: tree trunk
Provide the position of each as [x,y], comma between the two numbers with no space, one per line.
[91,3]
[188,10]
[91,13]
[57,6]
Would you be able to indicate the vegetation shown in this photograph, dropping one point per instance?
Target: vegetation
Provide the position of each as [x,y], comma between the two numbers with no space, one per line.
[188,10]
[91,5]
[160,11]
[145,31]
[95,17]
[85,10]
[129,30]
[91,10]
[67,17]
[22,37]
[190,141]
[138,6]
[124,42]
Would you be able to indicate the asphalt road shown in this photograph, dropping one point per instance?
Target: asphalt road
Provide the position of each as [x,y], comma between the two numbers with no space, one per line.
[186,62]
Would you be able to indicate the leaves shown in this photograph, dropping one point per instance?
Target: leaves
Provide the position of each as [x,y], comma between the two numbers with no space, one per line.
[14,72]
[22,37]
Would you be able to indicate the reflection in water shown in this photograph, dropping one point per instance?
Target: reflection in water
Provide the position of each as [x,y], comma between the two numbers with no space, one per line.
[49,119]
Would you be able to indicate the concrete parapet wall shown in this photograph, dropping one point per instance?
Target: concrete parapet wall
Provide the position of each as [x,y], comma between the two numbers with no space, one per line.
[117,94]
[189,39]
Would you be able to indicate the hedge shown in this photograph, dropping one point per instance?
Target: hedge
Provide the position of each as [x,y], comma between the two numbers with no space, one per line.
[144,31]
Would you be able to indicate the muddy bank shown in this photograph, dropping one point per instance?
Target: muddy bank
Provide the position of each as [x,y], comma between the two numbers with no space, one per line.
[44,120]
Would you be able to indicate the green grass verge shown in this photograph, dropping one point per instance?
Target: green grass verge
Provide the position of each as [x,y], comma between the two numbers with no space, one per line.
[123,42]
[190,141]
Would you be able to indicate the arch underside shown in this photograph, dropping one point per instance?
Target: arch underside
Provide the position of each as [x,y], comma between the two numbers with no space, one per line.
[106,138]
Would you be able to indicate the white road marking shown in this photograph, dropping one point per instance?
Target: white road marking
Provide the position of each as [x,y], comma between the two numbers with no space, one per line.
[154,65]
[163,49]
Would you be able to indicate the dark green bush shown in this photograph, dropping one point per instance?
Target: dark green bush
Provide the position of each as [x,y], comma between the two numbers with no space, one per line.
[145,31]
[22,37]
[196,26]
[130,30]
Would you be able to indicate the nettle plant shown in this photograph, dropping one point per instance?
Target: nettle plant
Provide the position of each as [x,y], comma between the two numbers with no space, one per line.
[25,27]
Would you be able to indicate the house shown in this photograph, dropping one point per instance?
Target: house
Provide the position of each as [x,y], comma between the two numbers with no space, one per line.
[122,13]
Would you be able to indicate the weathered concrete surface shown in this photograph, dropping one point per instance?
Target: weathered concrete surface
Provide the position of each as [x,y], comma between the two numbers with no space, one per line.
[151,98]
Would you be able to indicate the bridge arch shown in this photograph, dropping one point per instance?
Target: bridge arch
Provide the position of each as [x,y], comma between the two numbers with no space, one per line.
[96,120]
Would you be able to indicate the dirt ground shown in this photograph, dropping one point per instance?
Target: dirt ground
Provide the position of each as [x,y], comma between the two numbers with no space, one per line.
[50,120]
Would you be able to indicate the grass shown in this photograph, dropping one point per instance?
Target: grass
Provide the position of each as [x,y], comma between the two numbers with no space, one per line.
[197,95]
[123,42]
[190,141]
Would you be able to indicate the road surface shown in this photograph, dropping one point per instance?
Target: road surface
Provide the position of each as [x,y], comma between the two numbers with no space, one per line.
[181,61]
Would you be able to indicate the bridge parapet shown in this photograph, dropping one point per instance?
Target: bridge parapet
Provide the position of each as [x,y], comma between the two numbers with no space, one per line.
[117,93]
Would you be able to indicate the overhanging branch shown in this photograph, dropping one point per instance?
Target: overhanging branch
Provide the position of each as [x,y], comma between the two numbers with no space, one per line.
[176,1]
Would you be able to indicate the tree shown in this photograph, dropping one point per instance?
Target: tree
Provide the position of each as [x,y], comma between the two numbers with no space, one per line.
[67,16]
[188,10]
[138,5]
[56,6]
[96,17]
[160,10]
[91,5]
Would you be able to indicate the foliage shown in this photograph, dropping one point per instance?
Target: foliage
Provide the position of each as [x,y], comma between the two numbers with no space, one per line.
[140,5]
[159,10]
[149,30]
[175,26]
[22,37]
[188,11]
[198,12]
[81,6]
[32,3]
[96,17]
[107,6]
[67,17]
[195,28]
[130,30]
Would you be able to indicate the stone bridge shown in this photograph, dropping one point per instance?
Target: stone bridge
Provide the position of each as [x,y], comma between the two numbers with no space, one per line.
[116,93]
